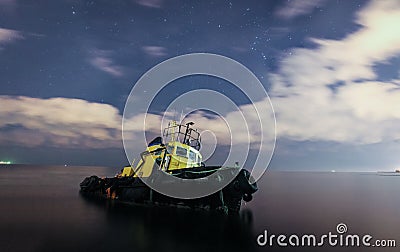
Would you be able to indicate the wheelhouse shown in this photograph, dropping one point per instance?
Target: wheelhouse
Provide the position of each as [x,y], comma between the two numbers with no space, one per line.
[181,151]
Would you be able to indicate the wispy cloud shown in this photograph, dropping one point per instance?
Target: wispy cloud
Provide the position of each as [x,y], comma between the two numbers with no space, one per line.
[155,51]
[332,92]
[9,36]
[150,3]
[102,60]
[8,5]
[8,2]
[295,8]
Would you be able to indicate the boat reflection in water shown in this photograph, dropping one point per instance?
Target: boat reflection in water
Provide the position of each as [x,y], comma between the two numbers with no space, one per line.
[173,229]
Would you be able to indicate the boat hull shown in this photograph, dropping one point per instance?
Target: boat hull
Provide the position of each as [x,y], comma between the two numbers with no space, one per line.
[133,190]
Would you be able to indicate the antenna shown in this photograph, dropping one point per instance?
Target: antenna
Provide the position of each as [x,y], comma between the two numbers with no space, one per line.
[181,118]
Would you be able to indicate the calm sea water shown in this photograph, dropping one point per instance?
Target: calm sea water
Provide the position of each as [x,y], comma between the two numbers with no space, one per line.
[41,210]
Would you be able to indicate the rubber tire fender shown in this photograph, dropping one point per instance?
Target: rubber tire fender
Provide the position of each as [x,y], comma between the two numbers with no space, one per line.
[244,183]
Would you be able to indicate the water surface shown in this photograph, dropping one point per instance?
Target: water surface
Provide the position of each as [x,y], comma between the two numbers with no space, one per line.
[41,210]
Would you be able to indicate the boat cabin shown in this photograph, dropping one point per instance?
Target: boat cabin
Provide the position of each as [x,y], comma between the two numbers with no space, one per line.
[181,151]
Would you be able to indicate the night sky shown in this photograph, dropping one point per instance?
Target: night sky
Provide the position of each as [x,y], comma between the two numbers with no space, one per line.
[331,68]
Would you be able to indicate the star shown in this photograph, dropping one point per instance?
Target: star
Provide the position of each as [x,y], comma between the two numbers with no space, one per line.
[264,56]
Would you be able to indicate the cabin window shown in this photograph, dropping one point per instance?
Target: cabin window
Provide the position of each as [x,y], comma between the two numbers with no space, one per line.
[157,153]
[192,156]
[181,151]
[170,149]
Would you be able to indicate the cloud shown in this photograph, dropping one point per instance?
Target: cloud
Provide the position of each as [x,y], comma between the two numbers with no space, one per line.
[76,123]
[60,122]
[101,59]
[332,92]
[9,36]
[295,8]
[155,51]
[8,2]
[68,122]
[80,124]
[8,5]
[150,3]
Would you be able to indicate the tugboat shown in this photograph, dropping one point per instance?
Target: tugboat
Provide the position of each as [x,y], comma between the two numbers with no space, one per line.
[162,164]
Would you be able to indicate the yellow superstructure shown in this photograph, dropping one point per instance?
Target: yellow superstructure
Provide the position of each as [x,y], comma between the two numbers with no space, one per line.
[181,152]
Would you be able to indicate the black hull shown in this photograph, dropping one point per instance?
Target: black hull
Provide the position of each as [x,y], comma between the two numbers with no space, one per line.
[134,191]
